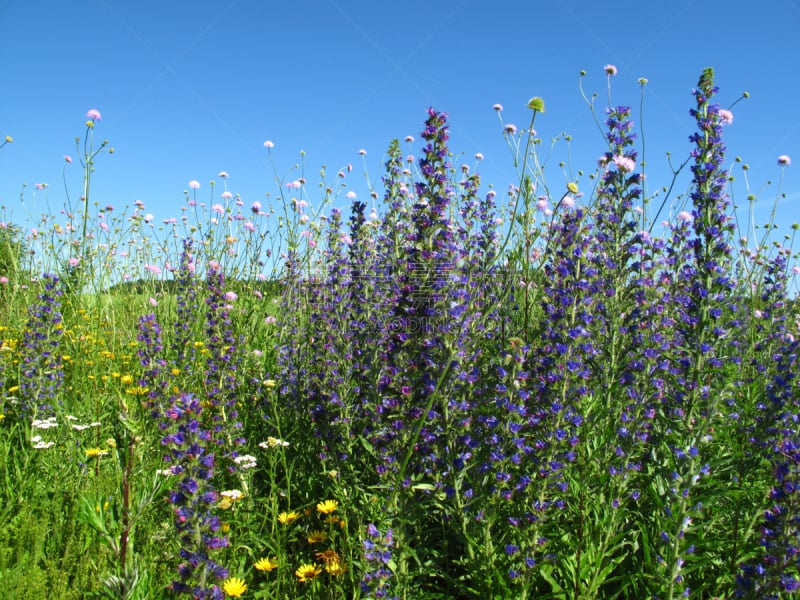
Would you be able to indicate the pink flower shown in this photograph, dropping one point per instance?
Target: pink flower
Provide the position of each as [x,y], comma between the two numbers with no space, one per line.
[152,301]
[351,195]
[568,201]
[479,156]
[154,269]
[249,226]
[362,152]
[784,160]
[685,216]
[409,139]
[541,204]
[256,207]
[230,296]
[40,186]
[223,174]
[73,262]
[3,280]
[148,217]
[139,204]
[498,107]
[94,115]
[294,185]
[68,158]
[624,163]
[725,116]
[610,70]
[226,195]
[269,145]
[194,184]
[511,129]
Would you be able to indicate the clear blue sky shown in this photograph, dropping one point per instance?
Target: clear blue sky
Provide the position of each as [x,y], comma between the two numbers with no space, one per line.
[189,89]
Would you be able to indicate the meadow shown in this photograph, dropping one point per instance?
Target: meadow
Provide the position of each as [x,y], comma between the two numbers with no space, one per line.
[572,391]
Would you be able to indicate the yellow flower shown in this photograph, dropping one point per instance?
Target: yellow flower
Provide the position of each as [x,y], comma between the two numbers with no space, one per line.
[336,567]
[224,504]
[175,371]
[269,383]
[92,452]
[307,572]
[266,564]
[137,390]
[315,537]
[331,520]
[126,380]
[234,587]
[9,139]
[287,517]
[572,187]
[90,124]
[327,507]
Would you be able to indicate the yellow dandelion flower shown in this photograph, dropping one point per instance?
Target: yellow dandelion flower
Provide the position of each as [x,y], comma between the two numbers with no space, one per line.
[316,537]
[234,587]
[287,517]
[175,371]
[93,452]
[225,527]
[137,390]
[9,139]
[126,380]
[307,572]
[327,507]
[336,567]
[266,564]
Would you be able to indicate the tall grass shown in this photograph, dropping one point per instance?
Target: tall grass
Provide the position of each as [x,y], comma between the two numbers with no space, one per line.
[448,397]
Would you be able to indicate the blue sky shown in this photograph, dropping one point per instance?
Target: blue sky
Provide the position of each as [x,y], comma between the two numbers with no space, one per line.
[189,89]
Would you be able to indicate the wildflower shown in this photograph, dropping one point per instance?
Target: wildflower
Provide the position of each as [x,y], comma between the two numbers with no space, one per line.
[478,156]
[784,160]
[272,442]
[610,70]
[497,107]
[288,517]
[95,452]
[269,145]
[685,216]
[510,128]
[246,461]
[362,152]
[233,495]
[234,587]
[327,507]
[624,163]
[307,572]
[725,116]
[68,158]
[223,174]
[317,537]
[266,564]
[94,115]
[9,139]
[572,187]
[194,184]
[335,567]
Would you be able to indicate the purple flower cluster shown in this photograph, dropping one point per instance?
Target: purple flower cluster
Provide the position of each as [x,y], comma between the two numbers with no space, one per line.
[192,464]
[376,580]
[41,369]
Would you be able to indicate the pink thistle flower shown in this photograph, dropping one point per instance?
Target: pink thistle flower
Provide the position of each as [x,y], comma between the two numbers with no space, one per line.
[784,160]
[478,156]
[255,207]
[154,269]
[362,152]
[685,216]
[294,185]
[796,270]
[139,204]
[148,217]
[223,174]
[73,262]
[68,158]
[510,129]
[270,320]
[624,163]
[497,107]
[226,195]
[568,201]
[40,186]
[410,139]
[152,301]
[351,195]
[249,226]
[269,145]
[725,116]
[541,204]
[94,115]
[3,280]
[194,184]
[610,70]
[230,296]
